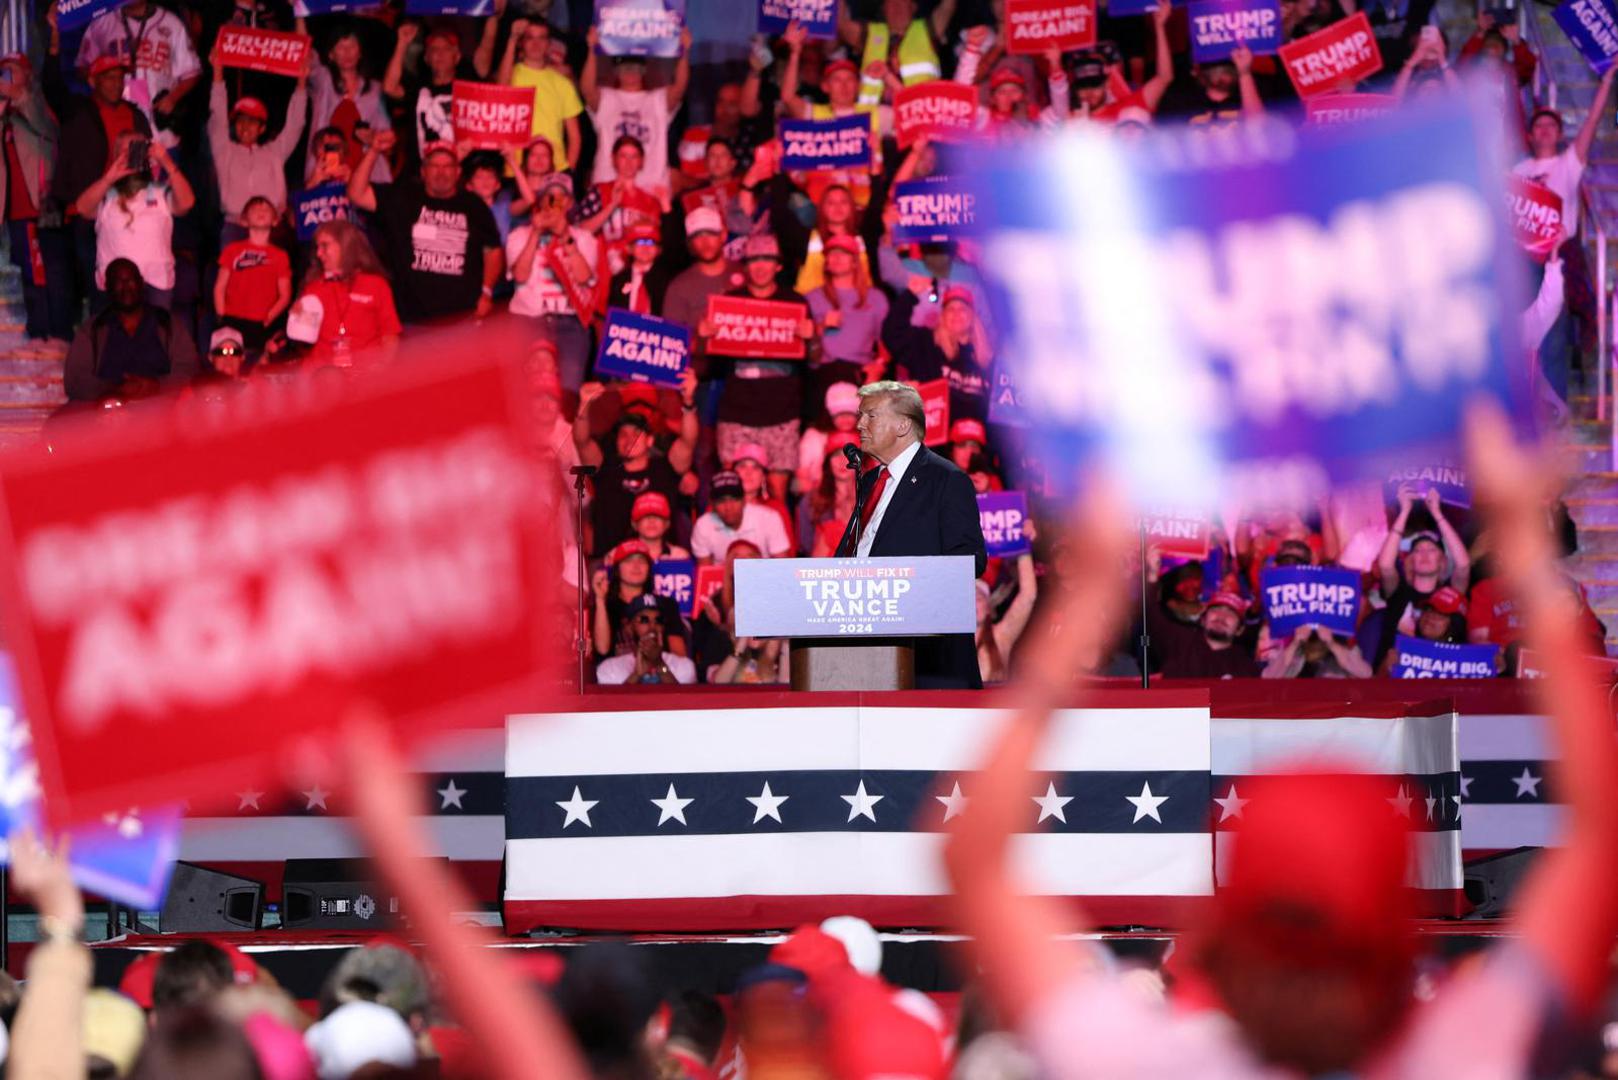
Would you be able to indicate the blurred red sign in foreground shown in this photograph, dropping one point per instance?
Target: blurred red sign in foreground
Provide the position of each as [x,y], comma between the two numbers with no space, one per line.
[195,595]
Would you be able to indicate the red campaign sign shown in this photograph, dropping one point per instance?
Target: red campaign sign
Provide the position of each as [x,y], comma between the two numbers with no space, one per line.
[1036,26]
[710,579]
[263,50]
[763,329]
[491,117]
[1345,51]
[1348,108]
[935,400]
[937,109]
[1535,212]
[1173,531]
[196,595]
[713,197]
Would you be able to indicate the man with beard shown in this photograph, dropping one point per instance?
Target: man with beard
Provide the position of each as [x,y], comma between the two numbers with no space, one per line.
[1207,648]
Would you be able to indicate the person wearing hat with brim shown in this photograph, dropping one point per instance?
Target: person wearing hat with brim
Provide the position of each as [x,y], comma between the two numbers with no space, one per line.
[651,518]
[644,280]
[642,659]
[840,81]
[1219,93]
[1428,561]
[246,165]
[624,578]
[1208,648]
[634,466]
[732,517]
[630,108]
[442,243]
[762,399]
[838,414]
[1100,92]
[710,273]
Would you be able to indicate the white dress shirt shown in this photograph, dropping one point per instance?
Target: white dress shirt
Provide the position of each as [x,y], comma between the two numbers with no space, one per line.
[896,472]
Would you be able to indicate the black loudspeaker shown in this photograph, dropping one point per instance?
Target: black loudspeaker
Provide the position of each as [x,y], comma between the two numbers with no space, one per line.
[1491,884]
[205,901]
[334,894]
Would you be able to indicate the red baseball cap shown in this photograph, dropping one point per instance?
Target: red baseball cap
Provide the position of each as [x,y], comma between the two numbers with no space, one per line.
[637,393]
[839,439]
[643,231]
[968,430]
[834,66]
[1448,601]
[439,147]
[649,504]
[1003,75]
[253,107]
[843,242]
[1234,601]
[109,62]
[959,294]
[628,549]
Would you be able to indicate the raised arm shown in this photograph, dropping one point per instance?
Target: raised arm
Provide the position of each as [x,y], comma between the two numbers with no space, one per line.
[1592,119]
[508,59]
[1015,937]
[1009,629]
[1567,911]
[682,71]
[181,197]
[507,1020]
[297,115]
[1252,103]
[589,87]
[790,101]
[1387,557]
[46,1039]
[393,78]
[1158,84]
[483,55]
[360,191]
[1454,547]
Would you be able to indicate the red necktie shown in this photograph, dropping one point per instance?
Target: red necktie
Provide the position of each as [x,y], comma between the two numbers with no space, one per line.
[873,498]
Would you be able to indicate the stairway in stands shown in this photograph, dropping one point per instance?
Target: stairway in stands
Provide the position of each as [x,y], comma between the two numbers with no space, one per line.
[30,371]
[1592,499]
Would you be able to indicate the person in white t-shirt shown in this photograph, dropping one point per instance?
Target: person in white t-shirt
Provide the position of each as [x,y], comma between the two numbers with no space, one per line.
[734,518]
[155,41]
[631,109]
[554,267]
[134,212]
[1560,169]
[643,659]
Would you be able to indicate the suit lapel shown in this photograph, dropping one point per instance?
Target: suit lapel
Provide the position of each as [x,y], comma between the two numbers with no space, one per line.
[902,497]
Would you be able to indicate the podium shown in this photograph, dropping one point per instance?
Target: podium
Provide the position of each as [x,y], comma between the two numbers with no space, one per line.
[853,622]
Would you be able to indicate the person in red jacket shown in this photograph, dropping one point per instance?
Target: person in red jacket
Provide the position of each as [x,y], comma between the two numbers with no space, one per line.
[346,307]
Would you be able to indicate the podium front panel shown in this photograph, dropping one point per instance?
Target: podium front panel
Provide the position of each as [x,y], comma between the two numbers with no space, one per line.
[855,598]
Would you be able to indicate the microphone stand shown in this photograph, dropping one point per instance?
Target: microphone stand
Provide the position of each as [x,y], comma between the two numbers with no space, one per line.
[581,473]
[1145,638]
[856,460]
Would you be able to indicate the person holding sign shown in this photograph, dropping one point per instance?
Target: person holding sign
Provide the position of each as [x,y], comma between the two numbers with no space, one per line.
[1431,560]
[1560,168]
[427,97]
[840,82]
[626,578]
[246,166]
[343,96]
[629,108]
[1220,93]
[996,637]
[1102,95]
[1316,653]
[762,398]
[953,348]
[1210,647]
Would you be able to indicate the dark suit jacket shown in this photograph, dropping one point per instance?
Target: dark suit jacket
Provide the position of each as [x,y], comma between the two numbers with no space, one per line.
[933,512]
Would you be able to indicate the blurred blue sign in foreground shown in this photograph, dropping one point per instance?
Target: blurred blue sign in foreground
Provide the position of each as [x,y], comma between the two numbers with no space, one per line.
[126,857]
[1254,315]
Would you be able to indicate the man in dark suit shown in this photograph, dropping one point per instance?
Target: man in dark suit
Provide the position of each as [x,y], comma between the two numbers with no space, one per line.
[916,503]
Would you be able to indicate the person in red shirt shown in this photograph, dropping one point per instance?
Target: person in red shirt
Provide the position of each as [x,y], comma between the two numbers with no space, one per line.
[255,277]
[346,307]
[615,207]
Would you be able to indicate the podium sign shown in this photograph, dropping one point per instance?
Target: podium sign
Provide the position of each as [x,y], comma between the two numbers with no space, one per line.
[854,598]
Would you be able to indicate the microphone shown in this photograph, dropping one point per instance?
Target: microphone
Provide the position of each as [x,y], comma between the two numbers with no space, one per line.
[856,459]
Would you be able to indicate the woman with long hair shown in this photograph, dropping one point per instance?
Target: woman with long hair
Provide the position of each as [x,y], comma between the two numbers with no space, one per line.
[343,96]
[836,214]
[946,344]
[346,306]
[826,511]
[134,205]
[848,312]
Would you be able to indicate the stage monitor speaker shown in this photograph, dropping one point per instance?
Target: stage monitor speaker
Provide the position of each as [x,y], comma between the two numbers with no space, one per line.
[201,900]
[1491,883]
[335,894]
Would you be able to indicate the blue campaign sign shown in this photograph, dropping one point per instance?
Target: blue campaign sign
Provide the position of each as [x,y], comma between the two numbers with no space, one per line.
[884,597]
[475,8]
[1311,306]
[1218,26]
[316,206]
[1323,596]
[643,348]
[676,579]
[1592,27]
[640,27]
[1418,658]
[843,142]
[72,14]
[126,857]
[331,7]
[1117,9]
[933,210]
[1005,400]
[817,17]
[1003,515]
[1448,480]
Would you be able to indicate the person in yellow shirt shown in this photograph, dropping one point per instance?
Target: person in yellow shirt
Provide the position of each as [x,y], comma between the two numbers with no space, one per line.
[557,105]
[840,81]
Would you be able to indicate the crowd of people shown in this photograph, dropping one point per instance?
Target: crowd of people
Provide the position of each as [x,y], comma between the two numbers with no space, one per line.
[152,198]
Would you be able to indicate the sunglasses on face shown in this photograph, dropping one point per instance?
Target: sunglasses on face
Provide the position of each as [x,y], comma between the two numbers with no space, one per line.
[646,619]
